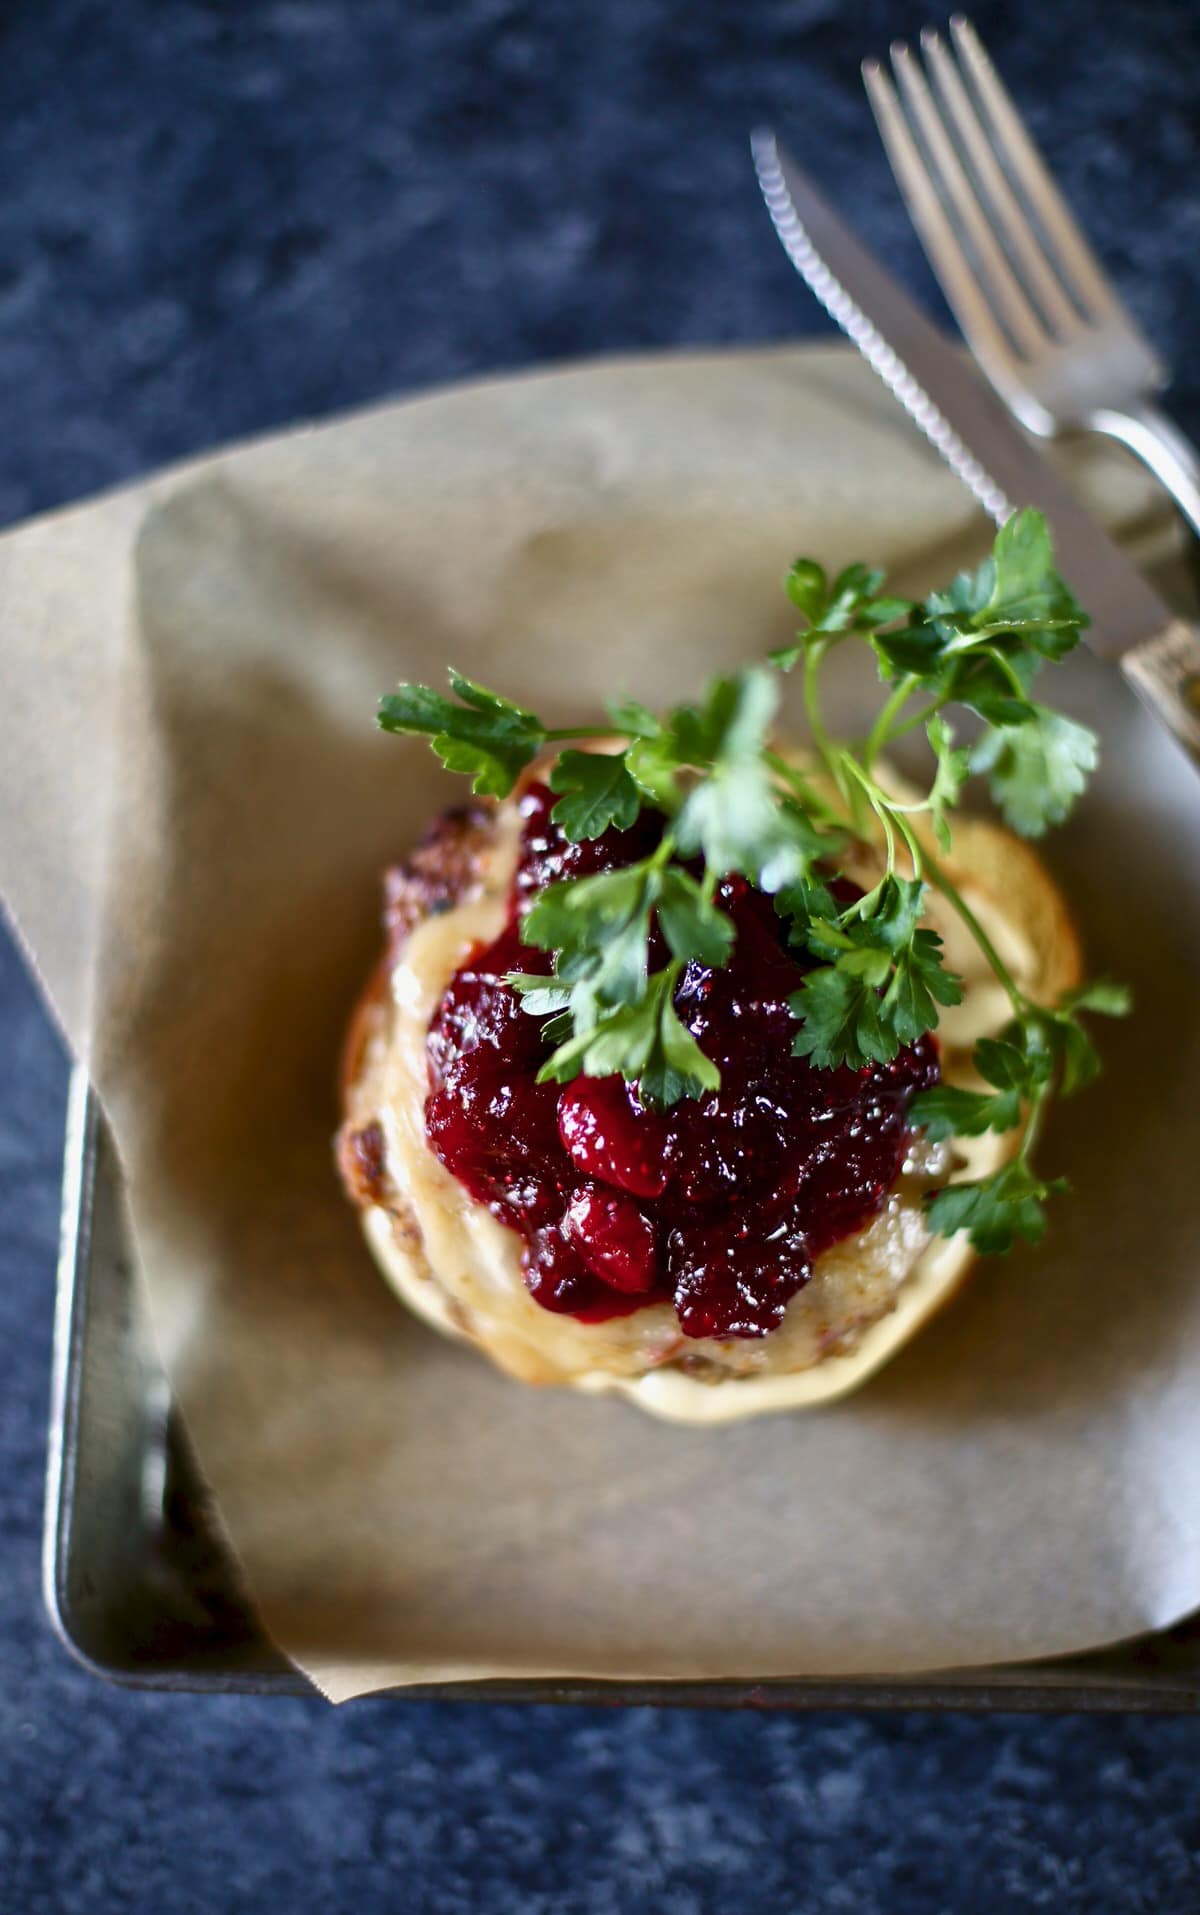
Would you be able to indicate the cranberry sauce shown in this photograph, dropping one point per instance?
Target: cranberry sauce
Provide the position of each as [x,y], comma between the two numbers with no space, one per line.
[719,1204]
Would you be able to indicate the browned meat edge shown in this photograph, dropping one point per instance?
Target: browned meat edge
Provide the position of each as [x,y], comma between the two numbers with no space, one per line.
[445,867]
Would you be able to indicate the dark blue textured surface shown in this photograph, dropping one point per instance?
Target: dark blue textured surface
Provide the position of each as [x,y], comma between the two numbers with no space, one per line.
[216,218]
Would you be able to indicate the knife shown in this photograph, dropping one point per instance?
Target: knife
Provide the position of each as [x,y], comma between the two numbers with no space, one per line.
[965,422]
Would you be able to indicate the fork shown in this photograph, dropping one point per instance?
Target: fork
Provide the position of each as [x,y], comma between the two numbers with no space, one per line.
[1028,292]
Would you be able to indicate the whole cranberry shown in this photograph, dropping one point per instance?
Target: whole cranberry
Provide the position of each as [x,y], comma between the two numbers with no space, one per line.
[555,1275]
[609,1135]
[613,1237]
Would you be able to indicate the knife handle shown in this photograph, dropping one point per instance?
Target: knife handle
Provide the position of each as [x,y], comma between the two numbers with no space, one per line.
[1165,673]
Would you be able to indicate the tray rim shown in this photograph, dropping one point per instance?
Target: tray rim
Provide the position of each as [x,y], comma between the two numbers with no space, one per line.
[1061,1684]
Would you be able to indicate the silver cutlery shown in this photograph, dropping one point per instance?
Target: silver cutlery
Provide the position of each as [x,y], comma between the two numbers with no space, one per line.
[1033,303]
[971,429]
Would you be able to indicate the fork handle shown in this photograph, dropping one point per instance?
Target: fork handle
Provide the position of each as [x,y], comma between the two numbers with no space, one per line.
[1165,673]
[1160,444]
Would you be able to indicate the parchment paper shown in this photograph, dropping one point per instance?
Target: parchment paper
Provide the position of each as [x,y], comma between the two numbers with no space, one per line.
[196,807]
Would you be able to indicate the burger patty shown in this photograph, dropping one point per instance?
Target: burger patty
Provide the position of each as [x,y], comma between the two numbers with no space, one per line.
[458,861]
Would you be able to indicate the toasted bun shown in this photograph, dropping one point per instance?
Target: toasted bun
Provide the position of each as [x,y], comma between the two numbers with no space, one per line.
[459,1270]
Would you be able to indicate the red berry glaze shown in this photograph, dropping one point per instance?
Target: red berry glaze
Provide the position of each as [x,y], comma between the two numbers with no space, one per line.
[719,1205]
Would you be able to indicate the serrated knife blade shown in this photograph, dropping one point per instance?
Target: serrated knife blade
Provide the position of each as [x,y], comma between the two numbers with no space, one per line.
[966,423]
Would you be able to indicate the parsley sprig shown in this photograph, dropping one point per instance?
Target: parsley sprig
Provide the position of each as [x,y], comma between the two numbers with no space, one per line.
[731,803]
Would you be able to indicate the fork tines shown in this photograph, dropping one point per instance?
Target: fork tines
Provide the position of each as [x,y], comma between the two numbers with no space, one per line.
[1013,264]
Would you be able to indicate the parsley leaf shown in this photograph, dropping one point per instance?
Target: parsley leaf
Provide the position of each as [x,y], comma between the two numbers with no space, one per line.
[676,1067]
[893,920]
[1102,996]
[1019,1061]
[995,1210]
[1016,589]
[540,996]
[597,792]
[805,904]
[1026,590]
[852,602]
[920,982]
[632,719]
[485,736]
[654,766]
[953,770]
[584,913]
[840,1023]
[599,931]
[691,922]
[643,1042]
[992,676]
[1017,1065]
[884,985]
[734,820]
[807,585]
[982,640]
[1021,1065]
[1036,768]
[1062,1039]
[949,1111]
[734,817]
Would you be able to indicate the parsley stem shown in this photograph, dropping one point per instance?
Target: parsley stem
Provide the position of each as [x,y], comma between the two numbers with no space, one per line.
[918,718]
[809,796]
[889,814]
[890,835]
[812,706]
[911,840]
[881,731]
[1033,1123]
[585,731]
[1006,667]
[878,803]
[954,896]
[663,852]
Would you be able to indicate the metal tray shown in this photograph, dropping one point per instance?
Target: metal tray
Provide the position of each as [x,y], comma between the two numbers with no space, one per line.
[140,1589]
